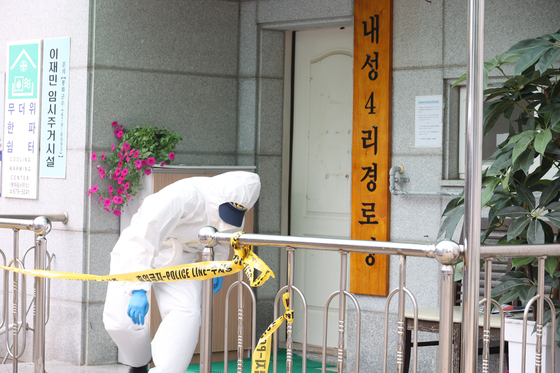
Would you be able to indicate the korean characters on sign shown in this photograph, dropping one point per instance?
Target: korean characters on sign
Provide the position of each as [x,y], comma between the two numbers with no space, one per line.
[371,66]
[371,141]
[54,108]
[370,69]
[21,129]
[52,82]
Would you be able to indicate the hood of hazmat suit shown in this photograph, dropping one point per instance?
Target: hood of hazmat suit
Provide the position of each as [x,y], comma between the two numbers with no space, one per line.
[164,231]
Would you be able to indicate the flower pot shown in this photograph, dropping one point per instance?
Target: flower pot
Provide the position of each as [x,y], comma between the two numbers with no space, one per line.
[513,334]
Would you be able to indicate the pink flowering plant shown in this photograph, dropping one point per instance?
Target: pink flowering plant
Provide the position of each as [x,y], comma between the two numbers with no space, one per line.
[140,148]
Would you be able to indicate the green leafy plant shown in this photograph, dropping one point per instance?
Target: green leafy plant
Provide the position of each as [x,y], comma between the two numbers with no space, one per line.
[141,148]
[521,187]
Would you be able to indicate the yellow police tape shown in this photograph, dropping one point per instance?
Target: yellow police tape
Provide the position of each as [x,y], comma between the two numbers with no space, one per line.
[243,258]
[261,355]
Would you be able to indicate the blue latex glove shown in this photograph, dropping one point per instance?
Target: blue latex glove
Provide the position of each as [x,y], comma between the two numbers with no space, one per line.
[138,306]
[218,284]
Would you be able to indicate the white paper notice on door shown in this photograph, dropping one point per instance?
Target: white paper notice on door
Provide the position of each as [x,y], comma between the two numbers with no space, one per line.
[428,123]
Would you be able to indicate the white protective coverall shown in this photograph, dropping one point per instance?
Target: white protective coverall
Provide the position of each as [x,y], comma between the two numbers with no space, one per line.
[164,232]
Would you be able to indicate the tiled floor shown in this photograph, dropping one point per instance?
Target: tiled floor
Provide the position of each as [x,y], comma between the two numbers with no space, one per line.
[58,367]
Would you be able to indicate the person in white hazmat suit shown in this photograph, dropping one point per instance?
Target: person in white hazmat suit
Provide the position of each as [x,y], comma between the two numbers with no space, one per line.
[164,232]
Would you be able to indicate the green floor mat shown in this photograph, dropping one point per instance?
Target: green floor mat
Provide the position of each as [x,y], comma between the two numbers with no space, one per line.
[218,367]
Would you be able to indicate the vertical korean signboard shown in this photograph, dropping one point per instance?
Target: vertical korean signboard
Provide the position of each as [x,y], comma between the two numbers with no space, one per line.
[20,156]
[371,142]
[54,107]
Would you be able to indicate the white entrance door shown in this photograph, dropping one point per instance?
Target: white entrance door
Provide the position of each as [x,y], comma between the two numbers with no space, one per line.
[321,168]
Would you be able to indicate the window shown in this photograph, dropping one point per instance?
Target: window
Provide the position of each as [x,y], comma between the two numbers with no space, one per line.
[455,147]
[498,134]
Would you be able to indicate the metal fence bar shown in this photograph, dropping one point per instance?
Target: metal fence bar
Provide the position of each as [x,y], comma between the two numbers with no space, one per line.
[240,319]
[61,217]
[332,244]
[41,226]
[207,305]
[487,309]
[539,298]
[50,258]
[3,324]
[447,253]
[519,251]
[14,351]
[289,325]
[540,304]
[358,328]
[26,224]
[341,311]
[386,330]
[47,282]
[446,319]
[487,301]
[17,324]
[342,293]
[325,330]
[226,331]
[473,182]
[241,285]
[542,298]
[401,322]
[304,317]
[40,302]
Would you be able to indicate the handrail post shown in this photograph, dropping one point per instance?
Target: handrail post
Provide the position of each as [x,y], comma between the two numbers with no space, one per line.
[447,253]
[15,306]
[401,323]
[206,237]
[240,320]
[40,300]
[473,183]
[540,312]
[289,325]
[487,310]
[342,310]
[446,320]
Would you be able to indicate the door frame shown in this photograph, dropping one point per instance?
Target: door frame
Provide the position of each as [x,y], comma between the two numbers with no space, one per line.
[287,114]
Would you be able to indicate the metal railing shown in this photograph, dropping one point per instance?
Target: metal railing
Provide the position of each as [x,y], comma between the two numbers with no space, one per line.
[446,252]
[241,286]
[40,226]
[541,252]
